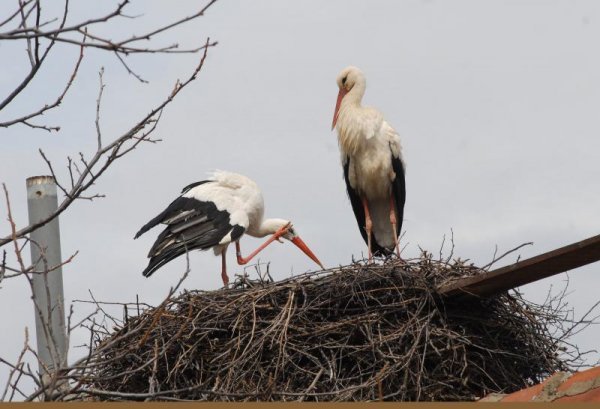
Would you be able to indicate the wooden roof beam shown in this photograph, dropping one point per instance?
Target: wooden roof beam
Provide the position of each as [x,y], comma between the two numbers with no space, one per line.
[526,271]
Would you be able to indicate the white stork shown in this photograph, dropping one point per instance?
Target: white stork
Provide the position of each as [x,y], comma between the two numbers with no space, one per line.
[373,166]
[212,214]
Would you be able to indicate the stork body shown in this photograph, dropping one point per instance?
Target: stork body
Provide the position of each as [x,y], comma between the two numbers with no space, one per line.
[213,214]
[371,156]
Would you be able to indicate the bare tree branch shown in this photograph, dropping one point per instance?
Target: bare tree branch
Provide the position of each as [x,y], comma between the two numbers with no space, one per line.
[19,10]
[31,29]
[122,46]
[105,156]
[98,132]
[24,119]
[36,66]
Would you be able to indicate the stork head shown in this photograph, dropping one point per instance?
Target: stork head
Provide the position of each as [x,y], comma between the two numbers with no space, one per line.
[285,230]
[350,80]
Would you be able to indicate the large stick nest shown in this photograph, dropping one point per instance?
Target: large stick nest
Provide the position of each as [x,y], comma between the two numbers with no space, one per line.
[360,332]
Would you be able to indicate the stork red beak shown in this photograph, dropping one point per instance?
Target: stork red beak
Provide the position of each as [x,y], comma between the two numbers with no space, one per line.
[341,96]
[302,246]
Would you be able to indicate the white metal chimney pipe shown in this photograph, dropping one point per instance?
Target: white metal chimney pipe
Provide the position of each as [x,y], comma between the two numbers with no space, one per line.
[48,292]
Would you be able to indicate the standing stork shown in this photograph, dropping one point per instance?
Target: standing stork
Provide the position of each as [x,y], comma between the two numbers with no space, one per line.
[212,214]
[373,166]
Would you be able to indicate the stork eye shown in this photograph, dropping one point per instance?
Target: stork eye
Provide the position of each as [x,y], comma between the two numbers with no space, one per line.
[344,80]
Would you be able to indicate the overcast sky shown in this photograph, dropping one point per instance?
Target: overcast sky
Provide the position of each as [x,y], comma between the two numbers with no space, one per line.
[496,104]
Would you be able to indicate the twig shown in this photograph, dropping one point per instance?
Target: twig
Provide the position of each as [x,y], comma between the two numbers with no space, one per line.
[495,259]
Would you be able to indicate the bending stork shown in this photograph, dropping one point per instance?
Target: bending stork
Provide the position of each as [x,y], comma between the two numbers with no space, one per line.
[212,214]
[373,166]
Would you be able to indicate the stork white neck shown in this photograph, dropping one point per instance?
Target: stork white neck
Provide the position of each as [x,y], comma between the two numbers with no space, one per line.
[267,226]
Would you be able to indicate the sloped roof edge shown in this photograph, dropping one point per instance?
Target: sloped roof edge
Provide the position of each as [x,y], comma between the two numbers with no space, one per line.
[561,387]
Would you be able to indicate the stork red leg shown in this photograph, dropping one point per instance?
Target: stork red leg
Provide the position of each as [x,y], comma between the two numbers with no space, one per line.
[368,227]
[241,260]
[394,223]
[224,268]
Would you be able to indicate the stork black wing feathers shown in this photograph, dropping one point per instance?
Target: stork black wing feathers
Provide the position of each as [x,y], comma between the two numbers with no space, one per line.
[193,185]
[176,208]
[191,224]
[359,212]
[357,206]
[180,206]
[399,191]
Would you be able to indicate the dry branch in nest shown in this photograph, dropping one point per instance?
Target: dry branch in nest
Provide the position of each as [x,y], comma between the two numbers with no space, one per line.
[354,333]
